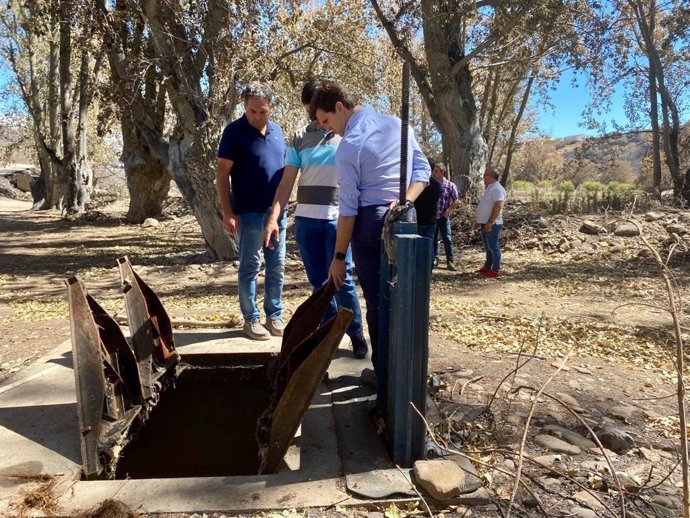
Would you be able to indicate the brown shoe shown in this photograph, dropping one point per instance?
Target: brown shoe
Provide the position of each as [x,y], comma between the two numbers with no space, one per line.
[275,327]
[255,331]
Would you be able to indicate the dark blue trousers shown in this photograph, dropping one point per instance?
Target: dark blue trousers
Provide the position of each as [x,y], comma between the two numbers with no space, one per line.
[366,252]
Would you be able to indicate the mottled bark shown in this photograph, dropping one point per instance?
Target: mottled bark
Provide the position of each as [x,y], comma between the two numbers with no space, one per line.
[148,179]
[446,87]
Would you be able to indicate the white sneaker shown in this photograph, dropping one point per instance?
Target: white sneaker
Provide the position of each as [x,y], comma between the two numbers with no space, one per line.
[275,327]
[255,330]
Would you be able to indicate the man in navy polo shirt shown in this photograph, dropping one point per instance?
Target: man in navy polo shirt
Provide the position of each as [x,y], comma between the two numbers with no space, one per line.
[251,158]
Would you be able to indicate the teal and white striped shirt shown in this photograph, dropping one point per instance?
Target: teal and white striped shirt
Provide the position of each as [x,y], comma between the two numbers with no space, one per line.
[312,150]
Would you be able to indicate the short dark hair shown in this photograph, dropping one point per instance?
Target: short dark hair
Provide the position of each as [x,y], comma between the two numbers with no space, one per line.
[492,171]
[260,90]
[327,94]
[308,90]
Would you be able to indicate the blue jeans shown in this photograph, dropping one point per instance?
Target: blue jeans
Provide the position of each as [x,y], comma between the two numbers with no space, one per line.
[251,236]
[316,241]
[430,232]
[492,247]
[443,228]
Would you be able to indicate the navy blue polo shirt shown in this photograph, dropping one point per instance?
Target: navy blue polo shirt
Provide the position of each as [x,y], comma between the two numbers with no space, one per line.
[258,163]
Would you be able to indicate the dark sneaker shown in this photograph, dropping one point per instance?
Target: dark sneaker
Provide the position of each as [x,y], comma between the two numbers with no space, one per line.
[275,327]
[368,377]
[491,274]
[359,347]
[451,266]
[255,331]
[482,270]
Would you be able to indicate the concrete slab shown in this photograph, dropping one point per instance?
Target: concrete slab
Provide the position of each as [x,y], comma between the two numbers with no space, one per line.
[39,438]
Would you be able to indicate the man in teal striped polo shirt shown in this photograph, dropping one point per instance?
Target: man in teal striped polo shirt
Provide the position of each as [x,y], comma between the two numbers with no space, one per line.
[312,151]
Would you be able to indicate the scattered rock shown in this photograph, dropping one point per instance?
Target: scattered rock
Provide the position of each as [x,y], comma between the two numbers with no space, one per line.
[624,412]
[599,466]
[547,460]
[150,222]
[554,444]
[587,498]
[570,401]
[583,370]
[676,229]
[616,249]
[616,440]
[472,480]
[626,230]
[556,365]
[442,479]
[653,216]
[570,436]
[591,228]
[667,502]
[581,512]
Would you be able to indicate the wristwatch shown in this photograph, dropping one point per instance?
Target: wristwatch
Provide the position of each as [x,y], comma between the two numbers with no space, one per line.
[340,256]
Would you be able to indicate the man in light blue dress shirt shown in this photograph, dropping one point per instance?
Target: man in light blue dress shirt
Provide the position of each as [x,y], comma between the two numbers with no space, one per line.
[368,171]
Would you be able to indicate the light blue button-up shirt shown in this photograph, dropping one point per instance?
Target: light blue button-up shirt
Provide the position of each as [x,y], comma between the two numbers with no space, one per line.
[368,161]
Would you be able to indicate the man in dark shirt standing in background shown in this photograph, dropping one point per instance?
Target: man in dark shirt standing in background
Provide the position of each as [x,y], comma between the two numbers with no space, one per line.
[450,199]
[251,158]
[426,206]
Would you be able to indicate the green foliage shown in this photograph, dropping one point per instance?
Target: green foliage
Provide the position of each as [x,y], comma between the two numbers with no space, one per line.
[566,186]
[521,185]
[614,186]
[545,184]
[592,186]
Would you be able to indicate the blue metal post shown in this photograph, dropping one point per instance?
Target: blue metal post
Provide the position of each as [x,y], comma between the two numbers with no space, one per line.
[407,346]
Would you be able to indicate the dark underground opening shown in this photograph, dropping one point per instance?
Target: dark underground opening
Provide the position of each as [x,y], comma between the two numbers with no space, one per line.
[203,426]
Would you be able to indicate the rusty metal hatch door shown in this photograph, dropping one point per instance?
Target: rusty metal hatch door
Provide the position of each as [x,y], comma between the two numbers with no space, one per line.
[307,350]
[119,384]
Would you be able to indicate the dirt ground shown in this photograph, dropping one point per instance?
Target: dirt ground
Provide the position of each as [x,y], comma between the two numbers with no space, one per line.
[596,306]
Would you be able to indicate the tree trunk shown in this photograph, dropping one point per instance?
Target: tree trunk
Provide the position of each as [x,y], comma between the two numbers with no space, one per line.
[513,131]
[148,179]
[455,110]
[192,162]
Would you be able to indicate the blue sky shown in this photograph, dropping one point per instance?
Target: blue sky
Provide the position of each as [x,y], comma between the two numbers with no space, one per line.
[569,102]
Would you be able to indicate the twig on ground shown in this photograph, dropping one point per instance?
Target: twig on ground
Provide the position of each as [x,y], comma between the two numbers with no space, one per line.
[523,440]
[428,509]
[471,459]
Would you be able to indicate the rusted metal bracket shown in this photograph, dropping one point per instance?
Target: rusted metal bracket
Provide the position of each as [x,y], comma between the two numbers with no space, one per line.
[109,395]
[150,329]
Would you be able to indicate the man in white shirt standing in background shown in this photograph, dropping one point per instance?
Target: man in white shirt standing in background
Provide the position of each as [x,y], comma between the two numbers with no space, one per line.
[490,222]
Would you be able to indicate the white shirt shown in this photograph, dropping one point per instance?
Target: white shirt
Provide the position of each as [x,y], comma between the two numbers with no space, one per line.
[494,192]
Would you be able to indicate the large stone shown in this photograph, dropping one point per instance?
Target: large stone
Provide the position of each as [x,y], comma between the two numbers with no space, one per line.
[624,412]
[589,499]
[676,229]
[442,479]
[554,444]
[570,436]
[615,440]
[653,216]
[150,222]
[626,229]
[592,228]
[472,480]
[581,512]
